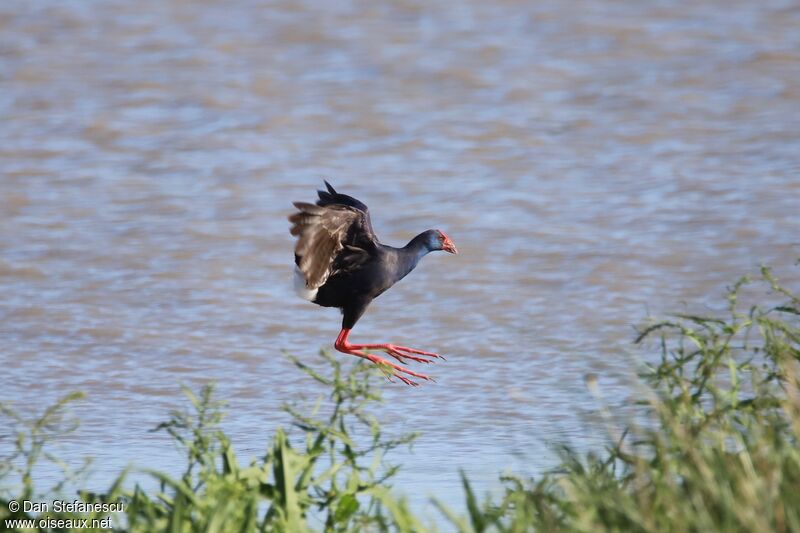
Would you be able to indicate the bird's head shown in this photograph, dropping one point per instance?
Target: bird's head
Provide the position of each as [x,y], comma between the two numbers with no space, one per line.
[437,240]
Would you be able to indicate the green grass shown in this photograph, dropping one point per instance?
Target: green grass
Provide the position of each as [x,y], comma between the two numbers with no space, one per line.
[714,447]
[718,450]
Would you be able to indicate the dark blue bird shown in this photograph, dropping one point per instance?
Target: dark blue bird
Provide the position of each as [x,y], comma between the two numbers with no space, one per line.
[340,263]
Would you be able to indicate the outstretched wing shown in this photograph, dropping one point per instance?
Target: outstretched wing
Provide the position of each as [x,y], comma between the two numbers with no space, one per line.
[334,235]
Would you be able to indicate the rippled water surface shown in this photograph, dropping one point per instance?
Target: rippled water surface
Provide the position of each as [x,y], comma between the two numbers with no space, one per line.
[592,161]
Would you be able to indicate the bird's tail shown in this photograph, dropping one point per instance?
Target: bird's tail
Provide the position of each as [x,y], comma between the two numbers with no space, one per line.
[329,196]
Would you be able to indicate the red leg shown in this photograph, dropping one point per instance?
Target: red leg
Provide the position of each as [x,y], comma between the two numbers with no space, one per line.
[395,351]
[398,352]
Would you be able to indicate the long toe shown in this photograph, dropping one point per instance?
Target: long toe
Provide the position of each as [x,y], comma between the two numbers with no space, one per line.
[419,352]
[402,357]
[417,355]
[398,371]
[403,379]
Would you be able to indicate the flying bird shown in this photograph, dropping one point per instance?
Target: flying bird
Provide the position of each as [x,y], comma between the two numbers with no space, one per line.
[339,262]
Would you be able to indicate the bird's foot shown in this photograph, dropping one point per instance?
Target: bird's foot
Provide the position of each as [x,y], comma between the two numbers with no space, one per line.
[401,353]
[391,370]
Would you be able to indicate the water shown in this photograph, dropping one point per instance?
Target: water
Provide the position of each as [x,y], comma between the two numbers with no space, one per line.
[593,162]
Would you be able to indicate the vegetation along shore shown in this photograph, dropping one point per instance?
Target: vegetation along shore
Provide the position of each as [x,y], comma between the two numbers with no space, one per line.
[713,447]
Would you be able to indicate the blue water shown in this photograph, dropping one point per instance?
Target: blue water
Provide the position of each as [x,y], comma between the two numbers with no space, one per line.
[594,163]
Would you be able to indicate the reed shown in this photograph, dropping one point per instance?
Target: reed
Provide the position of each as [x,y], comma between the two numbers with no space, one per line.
[716,445]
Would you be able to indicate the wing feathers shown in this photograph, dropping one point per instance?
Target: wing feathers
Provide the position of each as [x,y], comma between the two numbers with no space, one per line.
[321,233]
[332,235]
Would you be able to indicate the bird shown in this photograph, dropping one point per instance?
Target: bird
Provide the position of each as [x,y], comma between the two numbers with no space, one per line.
[339,262]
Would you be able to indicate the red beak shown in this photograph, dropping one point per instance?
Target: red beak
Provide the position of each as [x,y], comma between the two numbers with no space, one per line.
[448,246]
